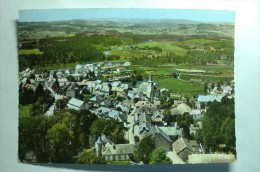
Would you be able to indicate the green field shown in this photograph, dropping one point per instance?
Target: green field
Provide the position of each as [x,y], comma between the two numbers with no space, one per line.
[221,69]
[24,110]
[30,51]
[166,47]
[177,86]
[213,79]
[215,69]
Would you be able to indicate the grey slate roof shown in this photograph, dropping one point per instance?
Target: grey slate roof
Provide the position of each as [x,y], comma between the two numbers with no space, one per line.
[119,149]
[181,144]
[155,130]
[75,103]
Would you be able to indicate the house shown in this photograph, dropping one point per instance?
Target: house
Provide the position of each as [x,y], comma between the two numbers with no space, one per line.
[105,147]
[146,106]
[78,67]
[75,104]
[117,152]
[182,148]
[122,108]
[227,89]
[208,98]
[111,113]
[100,143]
[76,75]
[96,100]
[50,111]
[175,111]
[71,91]
[89,67]
[160,138]
[173,132]
[127,64]
[121,70]
[196,114]
[157,118]
[106,103]
[62,81]
[183,108]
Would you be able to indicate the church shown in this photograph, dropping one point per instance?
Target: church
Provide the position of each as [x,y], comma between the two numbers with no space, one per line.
[150,89]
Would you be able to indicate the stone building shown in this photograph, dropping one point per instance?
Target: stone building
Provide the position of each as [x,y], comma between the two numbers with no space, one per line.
[183,148]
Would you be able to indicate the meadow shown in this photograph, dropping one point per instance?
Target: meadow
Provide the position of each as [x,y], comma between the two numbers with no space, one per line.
[176,86]
[30,51]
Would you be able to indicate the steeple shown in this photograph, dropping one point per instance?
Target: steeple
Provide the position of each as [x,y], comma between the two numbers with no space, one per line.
[151,87]
[150,79]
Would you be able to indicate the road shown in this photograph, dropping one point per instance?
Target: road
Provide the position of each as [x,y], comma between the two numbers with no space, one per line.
[133,129]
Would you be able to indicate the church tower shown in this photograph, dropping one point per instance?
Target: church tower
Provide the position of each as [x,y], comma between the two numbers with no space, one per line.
[151,87]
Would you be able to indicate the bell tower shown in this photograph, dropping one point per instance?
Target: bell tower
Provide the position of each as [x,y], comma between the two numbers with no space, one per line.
[151,87]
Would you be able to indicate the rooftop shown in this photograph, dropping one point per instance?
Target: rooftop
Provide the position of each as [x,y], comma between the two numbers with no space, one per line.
[181,144]
[119,149]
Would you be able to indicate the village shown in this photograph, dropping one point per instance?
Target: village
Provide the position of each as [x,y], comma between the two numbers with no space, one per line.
[138,105]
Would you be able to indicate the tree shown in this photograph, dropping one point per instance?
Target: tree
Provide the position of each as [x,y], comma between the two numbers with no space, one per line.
[184,122]
[144,150]
[167,116]
[89,157]
[218,126]
[32,136]
[109,127]
[118,136]
[159,157]
[137,139]
[206,86]
[59,139]
[39,92]
[198,136]
[176,75]
[228,133]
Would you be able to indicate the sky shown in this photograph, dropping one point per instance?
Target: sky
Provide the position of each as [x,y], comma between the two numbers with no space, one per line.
[105,13]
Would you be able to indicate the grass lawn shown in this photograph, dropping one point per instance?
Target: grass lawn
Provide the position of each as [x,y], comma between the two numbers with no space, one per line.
[178,86]
[30,51]
[24,110]
[118,162]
